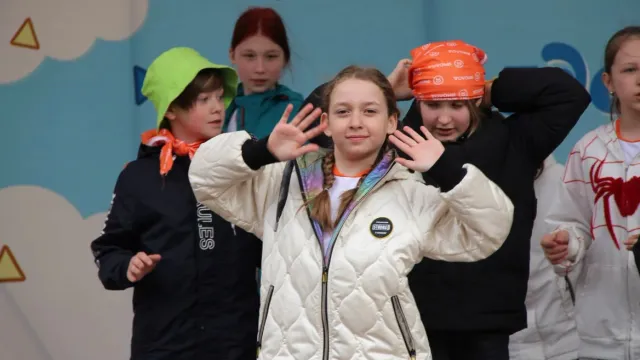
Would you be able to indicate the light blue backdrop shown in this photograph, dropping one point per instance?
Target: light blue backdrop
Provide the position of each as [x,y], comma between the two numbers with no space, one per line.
[70,126]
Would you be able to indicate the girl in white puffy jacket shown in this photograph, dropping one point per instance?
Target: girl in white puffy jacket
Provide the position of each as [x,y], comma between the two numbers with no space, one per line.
[551,330]
[596,217]
[340,239]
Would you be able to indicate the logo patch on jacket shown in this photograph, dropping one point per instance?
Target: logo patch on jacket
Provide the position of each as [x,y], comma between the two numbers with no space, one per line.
[381,227]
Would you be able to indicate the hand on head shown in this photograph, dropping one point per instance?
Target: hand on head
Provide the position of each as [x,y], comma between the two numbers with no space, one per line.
[556,246]
[288,140]
[399,79]
[140,265]
[486,98]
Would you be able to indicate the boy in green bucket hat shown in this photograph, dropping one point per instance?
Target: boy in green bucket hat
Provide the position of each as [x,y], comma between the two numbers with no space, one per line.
[192,272]
[175,69]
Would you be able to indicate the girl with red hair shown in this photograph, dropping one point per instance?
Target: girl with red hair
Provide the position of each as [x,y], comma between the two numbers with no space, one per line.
[260,52]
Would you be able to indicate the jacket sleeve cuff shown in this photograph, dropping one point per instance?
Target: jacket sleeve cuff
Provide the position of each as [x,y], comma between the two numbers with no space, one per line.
[113,270]
[124,267]
[255,153]
[573,249]
[446,172]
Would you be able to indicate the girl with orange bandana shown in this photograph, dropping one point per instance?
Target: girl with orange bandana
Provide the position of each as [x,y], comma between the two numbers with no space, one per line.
[192,272]
[470,310]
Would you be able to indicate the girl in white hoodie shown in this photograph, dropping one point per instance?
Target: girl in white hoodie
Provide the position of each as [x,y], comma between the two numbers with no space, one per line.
[354,221]
[596,217]
[551,327]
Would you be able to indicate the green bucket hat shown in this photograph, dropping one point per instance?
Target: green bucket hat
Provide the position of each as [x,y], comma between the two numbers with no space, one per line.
[171,72]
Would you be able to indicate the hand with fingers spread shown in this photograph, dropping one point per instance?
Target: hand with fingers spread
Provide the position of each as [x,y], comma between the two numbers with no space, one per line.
[423,152]
[287,140]
[556,246]
[140,265]
[631,241]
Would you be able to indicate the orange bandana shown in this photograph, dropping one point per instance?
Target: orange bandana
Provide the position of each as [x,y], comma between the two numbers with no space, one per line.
[447,70]
[171,146]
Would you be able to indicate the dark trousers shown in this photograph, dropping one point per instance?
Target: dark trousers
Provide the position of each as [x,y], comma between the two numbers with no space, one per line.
[468,345]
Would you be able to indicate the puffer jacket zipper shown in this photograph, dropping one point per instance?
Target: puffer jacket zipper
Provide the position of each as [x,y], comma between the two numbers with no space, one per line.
[405,331]
[327,260]
[263,321]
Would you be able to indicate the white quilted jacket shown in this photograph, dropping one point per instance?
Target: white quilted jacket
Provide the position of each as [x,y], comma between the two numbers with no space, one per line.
[356,303]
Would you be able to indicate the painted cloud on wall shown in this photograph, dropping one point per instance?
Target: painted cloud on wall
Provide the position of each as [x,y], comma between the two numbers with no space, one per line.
[61,310]
[31,30]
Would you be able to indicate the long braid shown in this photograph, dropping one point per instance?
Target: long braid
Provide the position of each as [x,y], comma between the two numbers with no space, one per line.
[328,162]
[321,204]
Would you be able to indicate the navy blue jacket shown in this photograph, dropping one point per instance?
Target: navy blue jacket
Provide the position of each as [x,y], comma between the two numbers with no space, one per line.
[200,301]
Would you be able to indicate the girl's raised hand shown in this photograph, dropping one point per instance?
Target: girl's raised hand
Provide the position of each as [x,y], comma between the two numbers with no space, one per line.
[287,140]
[399,79]
[423,152]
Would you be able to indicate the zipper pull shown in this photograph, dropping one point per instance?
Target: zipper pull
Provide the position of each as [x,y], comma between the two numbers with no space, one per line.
[325,274]
[233,227]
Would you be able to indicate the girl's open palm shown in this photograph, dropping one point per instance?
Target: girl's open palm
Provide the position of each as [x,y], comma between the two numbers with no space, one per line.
[287,140]
[423,152]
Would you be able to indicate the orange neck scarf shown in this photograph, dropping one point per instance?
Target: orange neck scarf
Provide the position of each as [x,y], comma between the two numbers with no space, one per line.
[171,146]
[337,172]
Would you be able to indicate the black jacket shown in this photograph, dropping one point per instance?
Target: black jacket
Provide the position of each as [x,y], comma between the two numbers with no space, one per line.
[315,98]
[489,295]
[201,300]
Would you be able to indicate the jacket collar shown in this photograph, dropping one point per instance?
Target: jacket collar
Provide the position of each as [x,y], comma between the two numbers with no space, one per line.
[310,166]
[278,91]
[312,179]
[608,135]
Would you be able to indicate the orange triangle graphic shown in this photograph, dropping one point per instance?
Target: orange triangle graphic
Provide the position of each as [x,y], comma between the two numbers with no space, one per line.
[9,269]
[26,36]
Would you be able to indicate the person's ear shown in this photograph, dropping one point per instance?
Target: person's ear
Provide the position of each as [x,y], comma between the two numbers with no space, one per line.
[606,80]
[170,114]
[232,56]
[392,125]
[324,120]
